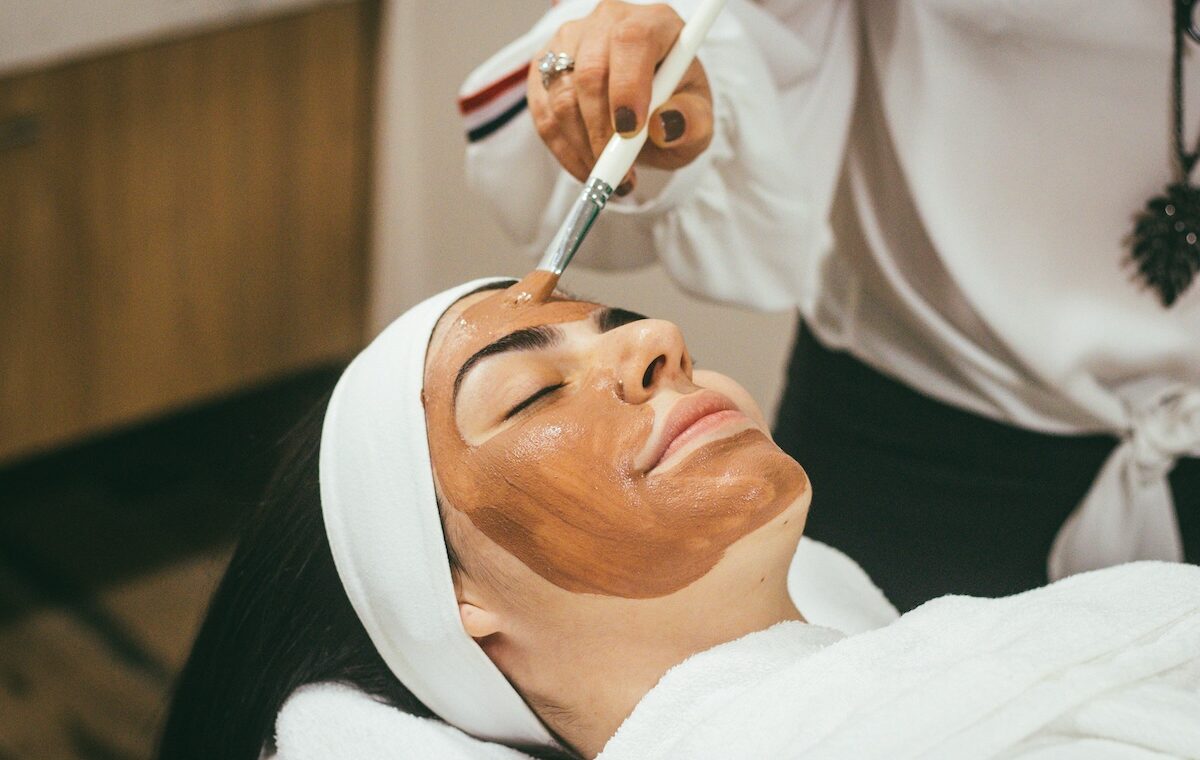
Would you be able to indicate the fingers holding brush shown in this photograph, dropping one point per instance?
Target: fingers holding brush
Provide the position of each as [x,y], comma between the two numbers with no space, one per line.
[605,84]
[591,83]
[638,40]
[682,128]
[590,80]
[554,107]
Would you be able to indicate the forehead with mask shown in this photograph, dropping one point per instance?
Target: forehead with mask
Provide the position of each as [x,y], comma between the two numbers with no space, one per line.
[551,427]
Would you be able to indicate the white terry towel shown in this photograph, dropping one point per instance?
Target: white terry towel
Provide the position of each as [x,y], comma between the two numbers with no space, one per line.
[328,721]
[331,721]
[1100,665]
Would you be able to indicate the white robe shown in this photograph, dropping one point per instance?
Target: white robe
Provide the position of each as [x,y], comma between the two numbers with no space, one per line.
[1104,664]
[1101,665]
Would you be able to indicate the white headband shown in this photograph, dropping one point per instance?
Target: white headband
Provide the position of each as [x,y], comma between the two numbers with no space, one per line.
[386,535]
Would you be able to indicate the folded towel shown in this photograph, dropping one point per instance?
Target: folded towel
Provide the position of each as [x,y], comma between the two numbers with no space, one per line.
[332,721]
[1103,664]
[1100,665]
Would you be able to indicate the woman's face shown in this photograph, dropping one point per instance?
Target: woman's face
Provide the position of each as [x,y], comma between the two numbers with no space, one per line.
[578,438]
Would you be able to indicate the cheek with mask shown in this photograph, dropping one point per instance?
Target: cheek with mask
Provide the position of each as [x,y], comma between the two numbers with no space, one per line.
[560,490]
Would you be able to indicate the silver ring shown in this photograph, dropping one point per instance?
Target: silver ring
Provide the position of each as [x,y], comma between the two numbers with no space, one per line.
[552,65]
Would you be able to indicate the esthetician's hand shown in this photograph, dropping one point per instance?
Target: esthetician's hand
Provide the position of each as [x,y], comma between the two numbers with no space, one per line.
[616,49]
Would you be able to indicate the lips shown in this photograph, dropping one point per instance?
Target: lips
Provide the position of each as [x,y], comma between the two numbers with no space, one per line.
[692,416]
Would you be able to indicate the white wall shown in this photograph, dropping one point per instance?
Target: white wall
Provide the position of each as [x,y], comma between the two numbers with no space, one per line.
[429,233]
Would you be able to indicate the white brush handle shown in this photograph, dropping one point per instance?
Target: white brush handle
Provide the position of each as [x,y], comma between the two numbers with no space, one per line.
[620,153]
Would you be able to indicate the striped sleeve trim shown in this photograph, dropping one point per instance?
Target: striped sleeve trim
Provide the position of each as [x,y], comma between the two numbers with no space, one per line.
[493,106]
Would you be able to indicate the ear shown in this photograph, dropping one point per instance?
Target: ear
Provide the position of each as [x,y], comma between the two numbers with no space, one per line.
[478,622]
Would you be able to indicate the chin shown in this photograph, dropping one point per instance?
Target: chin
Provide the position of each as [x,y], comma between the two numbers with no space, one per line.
[789,524]
[762,452]
[792,477]
[799,507]
[775,476]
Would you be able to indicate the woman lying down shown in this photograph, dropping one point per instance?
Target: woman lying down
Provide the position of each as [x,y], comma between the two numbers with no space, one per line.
[539,531]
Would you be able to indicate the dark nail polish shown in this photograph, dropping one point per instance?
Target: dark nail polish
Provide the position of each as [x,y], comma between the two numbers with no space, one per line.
[673,125]
[624,119]
[625,188]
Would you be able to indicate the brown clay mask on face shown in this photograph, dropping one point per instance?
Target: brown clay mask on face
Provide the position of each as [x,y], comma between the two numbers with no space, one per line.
[536,287]
[557,486]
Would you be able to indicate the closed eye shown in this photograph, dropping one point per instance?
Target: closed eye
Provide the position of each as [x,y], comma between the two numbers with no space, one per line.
[532,400]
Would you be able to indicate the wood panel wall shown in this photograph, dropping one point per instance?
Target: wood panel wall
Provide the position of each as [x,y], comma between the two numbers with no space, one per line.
[181,221]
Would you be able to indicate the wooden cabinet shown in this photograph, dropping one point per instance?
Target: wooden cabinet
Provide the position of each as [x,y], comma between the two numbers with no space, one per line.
[181,221]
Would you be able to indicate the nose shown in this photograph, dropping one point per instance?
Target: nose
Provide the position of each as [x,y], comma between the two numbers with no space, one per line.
[649,355]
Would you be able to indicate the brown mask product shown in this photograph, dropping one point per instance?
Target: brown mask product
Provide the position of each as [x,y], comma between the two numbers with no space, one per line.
[559,489]
[537,287]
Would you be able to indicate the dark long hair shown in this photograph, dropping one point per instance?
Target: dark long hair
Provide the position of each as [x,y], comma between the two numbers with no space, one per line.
[278,620]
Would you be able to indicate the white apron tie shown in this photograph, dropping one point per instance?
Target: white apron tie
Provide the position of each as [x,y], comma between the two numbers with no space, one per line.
[1128,514]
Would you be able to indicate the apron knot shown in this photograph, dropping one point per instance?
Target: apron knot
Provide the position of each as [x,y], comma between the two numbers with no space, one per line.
[1165,430]
[1128,513]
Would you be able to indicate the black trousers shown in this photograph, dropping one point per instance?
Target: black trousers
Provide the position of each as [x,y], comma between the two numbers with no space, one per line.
[931,499]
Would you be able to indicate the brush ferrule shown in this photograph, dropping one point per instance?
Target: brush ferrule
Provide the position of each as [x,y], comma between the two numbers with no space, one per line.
[575,227]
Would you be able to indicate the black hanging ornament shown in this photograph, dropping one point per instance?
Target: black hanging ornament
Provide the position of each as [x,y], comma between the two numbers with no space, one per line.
[1166,235]
[1165,241]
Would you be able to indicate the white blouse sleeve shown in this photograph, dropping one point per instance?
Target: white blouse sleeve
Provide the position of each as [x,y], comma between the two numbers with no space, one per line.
[747,221]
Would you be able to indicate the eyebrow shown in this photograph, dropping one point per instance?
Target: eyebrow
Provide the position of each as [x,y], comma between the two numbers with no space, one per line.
[612,317]
[527,339]
[542,336]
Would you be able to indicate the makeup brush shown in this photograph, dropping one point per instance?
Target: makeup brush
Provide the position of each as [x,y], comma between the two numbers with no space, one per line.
[618,156]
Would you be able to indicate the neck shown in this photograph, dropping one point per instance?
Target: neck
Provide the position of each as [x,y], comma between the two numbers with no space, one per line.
[626,651]
[584,661]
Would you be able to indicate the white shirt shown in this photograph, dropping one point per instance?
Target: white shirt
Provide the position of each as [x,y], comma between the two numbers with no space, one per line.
[945,189]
